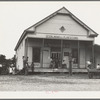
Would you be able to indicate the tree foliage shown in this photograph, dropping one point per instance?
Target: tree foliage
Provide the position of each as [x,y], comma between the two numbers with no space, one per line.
[6,63]
[2,59]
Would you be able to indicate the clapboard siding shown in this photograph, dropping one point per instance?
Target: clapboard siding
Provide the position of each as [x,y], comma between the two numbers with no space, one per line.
[19,55]
[54,24]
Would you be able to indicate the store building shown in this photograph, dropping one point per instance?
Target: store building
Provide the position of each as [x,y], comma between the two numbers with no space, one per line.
[61,36]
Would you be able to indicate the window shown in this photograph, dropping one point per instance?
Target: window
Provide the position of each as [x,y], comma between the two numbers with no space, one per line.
[66,53]
[75,55]
[36,55]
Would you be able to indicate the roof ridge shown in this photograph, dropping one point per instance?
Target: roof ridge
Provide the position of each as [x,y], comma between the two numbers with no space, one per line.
[46,17]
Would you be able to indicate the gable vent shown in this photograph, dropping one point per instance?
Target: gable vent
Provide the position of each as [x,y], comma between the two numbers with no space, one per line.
[62,29]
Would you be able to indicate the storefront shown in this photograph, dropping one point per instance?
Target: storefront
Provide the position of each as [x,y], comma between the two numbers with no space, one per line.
[60,37]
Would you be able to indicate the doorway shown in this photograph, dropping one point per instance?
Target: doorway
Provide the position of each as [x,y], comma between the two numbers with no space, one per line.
[56,56]
[75,57]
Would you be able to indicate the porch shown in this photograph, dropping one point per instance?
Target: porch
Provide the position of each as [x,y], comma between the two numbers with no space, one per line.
[42,51]
[60,70]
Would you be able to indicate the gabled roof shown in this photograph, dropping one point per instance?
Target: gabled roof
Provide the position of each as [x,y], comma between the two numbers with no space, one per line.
[63,10]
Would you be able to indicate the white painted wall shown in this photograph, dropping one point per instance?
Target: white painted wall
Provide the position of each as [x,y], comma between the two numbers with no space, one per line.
[82,55]
[29,54]
[46,57]
[54,24]
[66,58]
[19,55]
[82,58]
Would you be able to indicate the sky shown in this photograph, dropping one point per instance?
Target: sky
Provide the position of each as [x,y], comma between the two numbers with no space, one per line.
[16,16]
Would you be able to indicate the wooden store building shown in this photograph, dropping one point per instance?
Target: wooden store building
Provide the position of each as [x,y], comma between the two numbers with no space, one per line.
[60,37]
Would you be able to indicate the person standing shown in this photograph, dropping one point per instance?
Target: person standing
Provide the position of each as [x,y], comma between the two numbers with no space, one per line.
[11,69]
[98,66]
[32,66]
[64,64]
[56,63]
[89,64]
[51,63]
[25,64]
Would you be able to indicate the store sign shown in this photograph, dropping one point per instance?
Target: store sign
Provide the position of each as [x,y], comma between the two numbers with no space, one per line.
[61,37]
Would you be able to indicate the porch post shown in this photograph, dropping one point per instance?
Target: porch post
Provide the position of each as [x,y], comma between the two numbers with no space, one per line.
[78,54]
[27,48]
[93,53]
[70,64]
[85,54]
[61,52]
[26,58]
[42,53]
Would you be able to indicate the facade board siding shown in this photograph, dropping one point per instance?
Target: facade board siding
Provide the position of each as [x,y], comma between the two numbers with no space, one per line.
[46,57]
[30,54]
[20,54]
[82,58]
[54,24]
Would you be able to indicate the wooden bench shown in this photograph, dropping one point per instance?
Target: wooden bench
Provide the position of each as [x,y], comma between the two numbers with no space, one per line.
[93,72]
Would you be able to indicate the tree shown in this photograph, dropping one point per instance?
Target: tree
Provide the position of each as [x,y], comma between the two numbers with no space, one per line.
[3,62]
[6,63]
[2,59]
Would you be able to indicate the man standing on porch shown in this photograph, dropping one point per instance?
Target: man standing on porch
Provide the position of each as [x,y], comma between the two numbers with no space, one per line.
[25,64]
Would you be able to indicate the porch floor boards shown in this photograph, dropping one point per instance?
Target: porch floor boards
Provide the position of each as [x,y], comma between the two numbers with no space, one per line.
[59,70]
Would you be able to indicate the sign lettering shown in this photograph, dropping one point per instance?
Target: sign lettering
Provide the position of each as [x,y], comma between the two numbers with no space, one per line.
[61,37]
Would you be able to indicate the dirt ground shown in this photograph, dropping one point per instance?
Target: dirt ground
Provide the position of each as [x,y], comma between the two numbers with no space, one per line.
[49,82]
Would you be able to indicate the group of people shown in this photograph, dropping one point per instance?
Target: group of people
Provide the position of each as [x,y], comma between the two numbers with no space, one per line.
[55,63]
[89,65]
[11,69]
[27,65]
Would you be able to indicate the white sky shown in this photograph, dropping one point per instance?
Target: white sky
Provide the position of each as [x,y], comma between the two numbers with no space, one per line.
[15,17]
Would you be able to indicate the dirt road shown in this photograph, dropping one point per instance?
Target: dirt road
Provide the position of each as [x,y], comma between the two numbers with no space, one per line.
[46,82]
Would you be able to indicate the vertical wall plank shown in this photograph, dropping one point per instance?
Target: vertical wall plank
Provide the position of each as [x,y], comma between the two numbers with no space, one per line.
[42,53]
